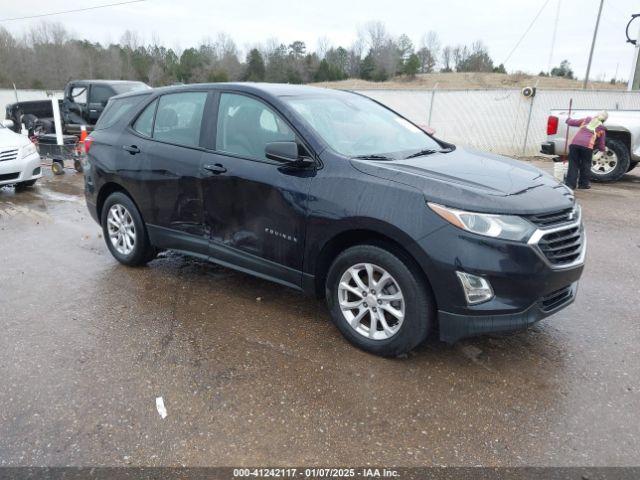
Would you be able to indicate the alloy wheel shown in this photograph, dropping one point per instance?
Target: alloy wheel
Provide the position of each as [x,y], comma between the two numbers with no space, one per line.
[122,231]
[371,301]
[605,164]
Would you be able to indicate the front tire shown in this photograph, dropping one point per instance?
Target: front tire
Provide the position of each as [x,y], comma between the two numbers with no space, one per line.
[379,302]
[124,231]
[613,164]
[28,183]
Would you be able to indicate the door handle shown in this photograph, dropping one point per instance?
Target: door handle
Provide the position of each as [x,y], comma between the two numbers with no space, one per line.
[216,168]
[132,149]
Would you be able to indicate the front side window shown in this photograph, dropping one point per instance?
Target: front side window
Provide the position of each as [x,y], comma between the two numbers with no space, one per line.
[79,95]
[179,118]
[144,123]
[246,126]
[357,126]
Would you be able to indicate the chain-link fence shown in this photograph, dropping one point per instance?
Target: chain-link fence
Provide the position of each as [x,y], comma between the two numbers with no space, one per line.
[496,120]
[491,120]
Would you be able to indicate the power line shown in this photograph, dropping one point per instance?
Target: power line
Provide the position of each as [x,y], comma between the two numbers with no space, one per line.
[70,11]
[553,38]
[526,31]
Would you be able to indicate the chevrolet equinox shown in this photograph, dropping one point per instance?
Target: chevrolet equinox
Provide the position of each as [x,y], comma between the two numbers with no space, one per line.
[334,194]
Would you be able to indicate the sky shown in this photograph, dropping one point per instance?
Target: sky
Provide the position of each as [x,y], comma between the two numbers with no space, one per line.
[498,23]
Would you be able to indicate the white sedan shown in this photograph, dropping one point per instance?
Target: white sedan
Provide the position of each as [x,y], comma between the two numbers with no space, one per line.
[19,159]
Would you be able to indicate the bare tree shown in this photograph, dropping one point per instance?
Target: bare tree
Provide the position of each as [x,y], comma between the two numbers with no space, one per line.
[447,59]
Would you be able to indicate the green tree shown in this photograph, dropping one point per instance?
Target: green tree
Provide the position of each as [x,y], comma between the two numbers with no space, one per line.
[500,69]
[368,67]
[190,61]
[255,70]
[412,65]
[564,70]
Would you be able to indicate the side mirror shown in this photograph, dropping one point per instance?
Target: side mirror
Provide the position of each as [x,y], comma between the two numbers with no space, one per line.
[7,123]
[282,151]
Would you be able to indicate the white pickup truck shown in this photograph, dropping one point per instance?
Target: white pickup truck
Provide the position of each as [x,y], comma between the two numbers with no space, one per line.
[622,141]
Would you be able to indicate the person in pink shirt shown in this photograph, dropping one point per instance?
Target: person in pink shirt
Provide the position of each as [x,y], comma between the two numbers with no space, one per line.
[591,134]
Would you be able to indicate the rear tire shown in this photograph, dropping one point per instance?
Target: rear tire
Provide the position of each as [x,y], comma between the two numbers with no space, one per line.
[399,325]
[619,161]
[124,231]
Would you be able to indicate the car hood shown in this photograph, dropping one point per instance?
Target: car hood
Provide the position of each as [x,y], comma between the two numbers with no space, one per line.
[477,181]
[8,138]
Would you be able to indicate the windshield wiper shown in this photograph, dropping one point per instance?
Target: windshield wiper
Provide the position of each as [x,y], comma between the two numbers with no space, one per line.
[372,157]
[428,151]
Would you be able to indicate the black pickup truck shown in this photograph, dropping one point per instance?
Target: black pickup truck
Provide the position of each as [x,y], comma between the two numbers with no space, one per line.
[82,104]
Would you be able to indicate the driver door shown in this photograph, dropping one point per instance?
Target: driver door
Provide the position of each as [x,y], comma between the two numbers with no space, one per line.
[75,104]
[255,209]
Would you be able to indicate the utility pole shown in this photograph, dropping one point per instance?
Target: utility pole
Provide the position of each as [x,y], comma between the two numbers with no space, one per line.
[593,44]
[634,76]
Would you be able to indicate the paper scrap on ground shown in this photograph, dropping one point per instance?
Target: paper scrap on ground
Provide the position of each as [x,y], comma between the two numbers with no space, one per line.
[161,408]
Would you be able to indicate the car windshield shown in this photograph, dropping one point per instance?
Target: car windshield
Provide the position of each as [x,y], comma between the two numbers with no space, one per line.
[356,126]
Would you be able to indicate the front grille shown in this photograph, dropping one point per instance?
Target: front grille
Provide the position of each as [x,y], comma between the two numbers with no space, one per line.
[9,176]
[557,299]
[553,219]
[6,155]
[562,247]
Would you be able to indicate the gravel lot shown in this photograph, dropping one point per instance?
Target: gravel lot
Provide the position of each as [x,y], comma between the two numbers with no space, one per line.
[253,374]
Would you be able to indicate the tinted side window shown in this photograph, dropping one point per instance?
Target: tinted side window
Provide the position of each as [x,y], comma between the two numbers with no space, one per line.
[116,109]
[246,125]
[179,118]
[144,123]
[100,94]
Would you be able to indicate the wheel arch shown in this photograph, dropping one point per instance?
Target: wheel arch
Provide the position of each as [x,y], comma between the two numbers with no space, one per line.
[620,134]
[106,190]
[366,236]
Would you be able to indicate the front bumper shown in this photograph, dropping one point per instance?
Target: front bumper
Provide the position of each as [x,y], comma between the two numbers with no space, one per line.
[20,170]
[454,327]
[523,280]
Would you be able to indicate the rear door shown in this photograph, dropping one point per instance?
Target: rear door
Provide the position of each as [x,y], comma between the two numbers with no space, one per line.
[99,95]
[254,209]
[165,143]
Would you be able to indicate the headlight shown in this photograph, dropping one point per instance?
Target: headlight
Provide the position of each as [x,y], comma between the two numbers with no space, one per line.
[508,227]
[27,150]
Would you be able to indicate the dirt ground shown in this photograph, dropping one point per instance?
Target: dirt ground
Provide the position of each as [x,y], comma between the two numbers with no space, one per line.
[469,81]
[254,374]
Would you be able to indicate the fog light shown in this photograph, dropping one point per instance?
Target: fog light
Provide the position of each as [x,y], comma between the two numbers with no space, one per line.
[476,289]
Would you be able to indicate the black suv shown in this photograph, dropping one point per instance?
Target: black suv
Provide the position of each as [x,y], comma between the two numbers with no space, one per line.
[333,194]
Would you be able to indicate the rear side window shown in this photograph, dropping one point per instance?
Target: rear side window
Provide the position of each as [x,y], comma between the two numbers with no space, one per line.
[144,123]
[100,94]
[179,118]
[116,109]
